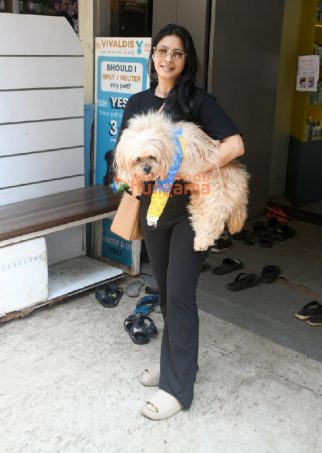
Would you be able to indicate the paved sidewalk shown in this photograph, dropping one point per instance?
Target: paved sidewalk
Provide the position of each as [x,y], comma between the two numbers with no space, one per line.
[69,384]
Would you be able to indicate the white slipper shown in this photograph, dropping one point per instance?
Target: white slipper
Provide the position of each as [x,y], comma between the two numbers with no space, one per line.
[162,405]
[150,376]
[133,288]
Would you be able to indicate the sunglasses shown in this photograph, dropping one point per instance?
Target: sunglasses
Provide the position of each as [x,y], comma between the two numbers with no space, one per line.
[176,54]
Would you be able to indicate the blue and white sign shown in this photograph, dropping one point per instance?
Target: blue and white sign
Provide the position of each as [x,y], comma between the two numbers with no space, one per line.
[121,70]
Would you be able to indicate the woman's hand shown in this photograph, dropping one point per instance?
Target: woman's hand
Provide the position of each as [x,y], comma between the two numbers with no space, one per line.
[136,187]
[230,148]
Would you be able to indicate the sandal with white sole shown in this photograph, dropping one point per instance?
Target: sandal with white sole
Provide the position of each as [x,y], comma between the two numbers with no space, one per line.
[150,377]
[161,406]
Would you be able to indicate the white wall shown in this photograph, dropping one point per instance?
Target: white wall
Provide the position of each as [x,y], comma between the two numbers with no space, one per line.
[41,115]
[86,37]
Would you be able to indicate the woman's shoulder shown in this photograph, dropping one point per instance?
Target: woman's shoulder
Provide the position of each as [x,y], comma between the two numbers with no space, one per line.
[200,95]
[202,101]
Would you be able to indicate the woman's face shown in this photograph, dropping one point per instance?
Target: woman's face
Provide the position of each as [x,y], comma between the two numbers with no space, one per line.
[169,65]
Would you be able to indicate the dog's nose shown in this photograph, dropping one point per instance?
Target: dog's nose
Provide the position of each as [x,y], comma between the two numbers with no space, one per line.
[147,169]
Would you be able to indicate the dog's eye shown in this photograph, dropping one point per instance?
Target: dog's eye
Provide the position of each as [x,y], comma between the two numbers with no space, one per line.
[151,157]
[137,159]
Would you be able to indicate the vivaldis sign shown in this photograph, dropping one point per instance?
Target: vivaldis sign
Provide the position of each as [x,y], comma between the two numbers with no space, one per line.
[121,70]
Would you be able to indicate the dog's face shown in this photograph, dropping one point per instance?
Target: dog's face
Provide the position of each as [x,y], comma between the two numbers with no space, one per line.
[145,150]
[147,167]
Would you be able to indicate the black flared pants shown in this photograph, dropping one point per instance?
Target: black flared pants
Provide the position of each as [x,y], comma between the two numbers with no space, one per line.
[177,267]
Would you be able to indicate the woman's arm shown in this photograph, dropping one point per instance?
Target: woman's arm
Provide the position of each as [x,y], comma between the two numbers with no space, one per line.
[219,126]
[229,149]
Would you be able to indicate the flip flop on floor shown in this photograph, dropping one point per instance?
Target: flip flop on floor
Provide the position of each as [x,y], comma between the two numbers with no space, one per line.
[109,295]
[280,231]
[265,239]
[287,231]
[134,287]
[270,273]
[146,304]
[310,309]
[228,265]
[243,281]
[246,235]
[161,406]
[249,237]
[152,290]
[140,328]
[259,227]
[315,320]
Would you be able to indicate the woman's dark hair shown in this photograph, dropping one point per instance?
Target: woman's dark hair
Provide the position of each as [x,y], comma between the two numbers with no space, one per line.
[178,100]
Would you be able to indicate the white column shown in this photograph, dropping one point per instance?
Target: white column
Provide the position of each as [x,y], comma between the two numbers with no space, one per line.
[86,36]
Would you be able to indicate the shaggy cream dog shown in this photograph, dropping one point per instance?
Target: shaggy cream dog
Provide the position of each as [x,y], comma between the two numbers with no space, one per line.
[146,151]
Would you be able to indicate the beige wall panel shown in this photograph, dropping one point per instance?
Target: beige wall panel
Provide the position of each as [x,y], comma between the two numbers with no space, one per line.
[43,35]
[21,193]
[33,105]
[39,72]
[41,136]
[30,168]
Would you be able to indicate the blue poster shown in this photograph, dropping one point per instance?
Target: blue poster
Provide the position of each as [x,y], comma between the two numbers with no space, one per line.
[121,70]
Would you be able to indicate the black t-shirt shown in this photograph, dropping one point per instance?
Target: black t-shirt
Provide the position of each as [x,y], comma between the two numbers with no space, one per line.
[207,114]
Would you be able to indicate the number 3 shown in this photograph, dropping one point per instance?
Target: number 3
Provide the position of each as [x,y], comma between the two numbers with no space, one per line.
[113,127]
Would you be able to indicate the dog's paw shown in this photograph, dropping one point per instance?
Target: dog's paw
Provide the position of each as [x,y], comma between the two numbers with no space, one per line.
[200,245]
[152,221]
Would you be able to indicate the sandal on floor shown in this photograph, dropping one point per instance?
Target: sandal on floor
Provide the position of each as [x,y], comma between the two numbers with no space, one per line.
[288,231]
[146,304]
[109,295]
[249,237]
[243,281]
[152,290]
[134,287]
[310,309]
[259,227]
[140,328]
[315,321]
[161,406]
[270,273]
[238,236]
[265,239]
[228,265]
[150,377]
[280,231]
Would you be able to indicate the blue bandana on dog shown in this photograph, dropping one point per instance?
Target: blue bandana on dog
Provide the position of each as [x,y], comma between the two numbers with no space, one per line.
[163,187]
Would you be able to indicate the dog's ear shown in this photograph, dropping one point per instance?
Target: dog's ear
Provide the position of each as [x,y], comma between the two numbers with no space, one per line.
[122,162]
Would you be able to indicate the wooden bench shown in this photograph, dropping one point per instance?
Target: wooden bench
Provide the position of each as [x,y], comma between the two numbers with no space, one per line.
[56,212]
[26,220]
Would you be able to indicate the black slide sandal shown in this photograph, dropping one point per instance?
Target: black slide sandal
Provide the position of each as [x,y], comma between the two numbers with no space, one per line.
[228,265]
[140,328]
[109,295]
[270,273]
[312,308]
[243,281]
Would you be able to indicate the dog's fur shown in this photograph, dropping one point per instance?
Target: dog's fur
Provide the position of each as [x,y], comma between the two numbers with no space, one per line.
[146,151]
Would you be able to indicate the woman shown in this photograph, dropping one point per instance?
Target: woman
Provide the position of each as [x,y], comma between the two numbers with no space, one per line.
[175,264]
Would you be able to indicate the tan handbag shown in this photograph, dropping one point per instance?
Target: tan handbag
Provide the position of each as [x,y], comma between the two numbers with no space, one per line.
[126,222]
